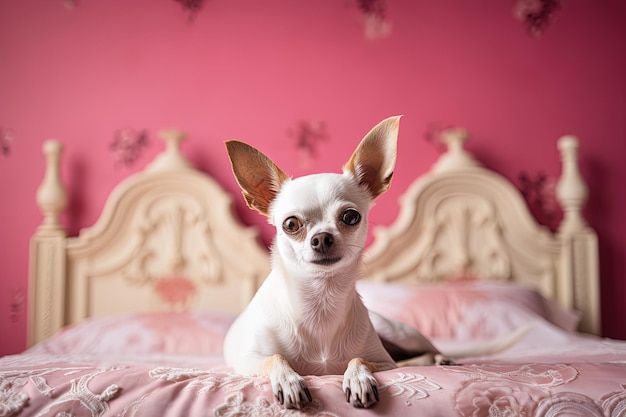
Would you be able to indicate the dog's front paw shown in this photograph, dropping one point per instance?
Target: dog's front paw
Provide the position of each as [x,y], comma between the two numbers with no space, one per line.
[359,385]
[288,386]
[292,392]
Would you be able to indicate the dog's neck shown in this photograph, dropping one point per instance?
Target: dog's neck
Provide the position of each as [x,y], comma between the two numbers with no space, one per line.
[320,303]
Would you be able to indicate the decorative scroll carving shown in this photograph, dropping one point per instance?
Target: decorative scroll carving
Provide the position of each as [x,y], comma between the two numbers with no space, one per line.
[464,239]
[175,240]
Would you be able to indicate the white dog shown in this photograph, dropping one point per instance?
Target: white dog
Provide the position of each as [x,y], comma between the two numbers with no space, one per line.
[307,317]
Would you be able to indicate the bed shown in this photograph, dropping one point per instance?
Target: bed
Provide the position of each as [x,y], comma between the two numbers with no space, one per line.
[128,317]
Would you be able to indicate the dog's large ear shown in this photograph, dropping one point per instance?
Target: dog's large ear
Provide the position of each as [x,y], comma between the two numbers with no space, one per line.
[258,177]
[374,159]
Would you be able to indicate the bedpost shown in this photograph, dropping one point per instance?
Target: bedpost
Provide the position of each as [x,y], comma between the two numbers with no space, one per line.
[579,276]
[47,252]
[172,158]
[456,156]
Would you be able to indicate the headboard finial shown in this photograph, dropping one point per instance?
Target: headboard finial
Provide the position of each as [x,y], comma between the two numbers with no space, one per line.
[571,190]
[456,156]
[51,195]
[171,158]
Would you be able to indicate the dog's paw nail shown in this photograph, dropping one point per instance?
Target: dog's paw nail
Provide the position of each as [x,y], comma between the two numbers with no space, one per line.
[348,394]
[280,397]
[308,394]
[375,389]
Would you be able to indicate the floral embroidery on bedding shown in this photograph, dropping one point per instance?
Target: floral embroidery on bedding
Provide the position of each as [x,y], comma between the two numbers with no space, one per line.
[410,386]
[131,409]
[97,404]
[407,385]
[526,391]
[484,389]
[209,381]
[236,406]
[575,404]
[13,401]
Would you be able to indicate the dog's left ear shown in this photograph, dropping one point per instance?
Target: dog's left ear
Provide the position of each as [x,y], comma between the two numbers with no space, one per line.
[374,159]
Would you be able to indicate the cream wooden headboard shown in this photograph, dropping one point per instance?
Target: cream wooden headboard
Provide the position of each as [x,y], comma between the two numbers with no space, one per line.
[167,239]
[462,219]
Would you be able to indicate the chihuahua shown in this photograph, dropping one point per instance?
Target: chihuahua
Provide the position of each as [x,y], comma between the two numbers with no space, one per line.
[307,317]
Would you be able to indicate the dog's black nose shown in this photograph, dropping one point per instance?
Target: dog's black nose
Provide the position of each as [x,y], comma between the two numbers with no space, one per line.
[321,242]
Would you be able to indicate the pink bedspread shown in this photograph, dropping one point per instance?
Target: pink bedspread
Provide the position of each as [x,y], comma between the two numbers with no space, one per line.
[548,373]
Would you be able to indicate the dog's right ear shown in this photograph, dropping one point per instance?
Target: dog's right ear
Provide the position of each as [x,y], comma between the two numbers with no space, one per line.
[373,161]
[258,177]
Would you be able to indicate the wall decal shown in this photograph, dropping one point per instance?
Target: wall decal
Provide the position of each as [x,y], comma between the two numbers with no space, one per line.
[191,6]
[6,140]
[536,14]
[127,145]
[308,134]
[70,4]
[17,305]
[433,134]
[539,190]
[375,23]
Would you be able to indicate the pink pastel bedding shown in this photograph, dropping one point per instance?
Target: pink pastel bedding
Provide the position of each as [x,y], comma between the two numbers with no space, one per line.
[170,364]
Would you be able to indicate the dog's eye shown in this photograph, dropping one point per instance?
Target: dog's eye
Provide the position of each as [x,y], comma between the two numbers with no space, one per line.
[351,217]
[292,225]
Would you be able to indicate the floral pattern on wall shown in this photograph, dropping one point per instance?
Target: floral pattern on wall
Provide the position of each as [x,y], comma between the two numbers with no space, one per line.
[128,145]
[17,304]
[70,4]
[307,135]
[191,6]
[433,133]
[539,190]
[6,140]
[536,14]
[375,21]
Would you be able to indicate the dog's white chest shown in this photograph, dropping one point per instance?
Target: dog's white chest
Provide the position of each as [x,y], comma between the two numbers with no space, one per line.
[319,364]
[316,354]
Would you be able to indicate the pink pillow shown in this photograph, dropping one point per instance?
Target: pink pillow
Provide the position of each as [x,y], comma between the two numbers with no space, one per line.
[139,333]
[464,310]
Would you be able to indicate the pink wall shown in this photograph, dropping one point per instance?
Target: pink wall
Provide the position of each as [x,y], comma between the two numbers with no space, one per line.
[251,70]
